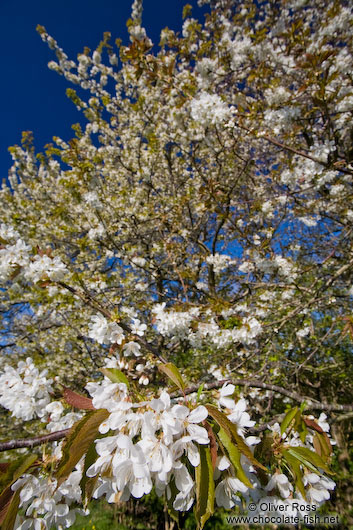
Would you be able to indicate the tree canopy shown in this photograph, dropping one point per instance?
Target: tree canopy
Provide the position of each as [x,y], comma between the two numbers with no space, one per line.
[197,227]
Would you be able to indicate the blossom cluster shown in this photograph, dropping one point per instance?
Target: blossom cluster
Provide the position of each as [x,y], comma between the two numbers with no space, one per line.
[209,109]
[105,332]
[166,432]
[25,391]
[189,325]
[150,443]
[47,504]
[16,257]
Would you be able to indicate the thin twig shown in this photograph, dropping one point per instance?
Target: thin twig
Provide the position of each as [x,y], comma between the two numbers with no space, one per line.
[91,301]
[286,147]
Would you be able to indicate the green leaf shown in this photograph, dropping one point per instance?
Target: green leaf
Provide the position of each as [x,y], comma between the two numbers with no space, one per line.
[174,514]
[309,459]
[173,373]
[294,465]
[199,392]
[231,431]
[303,431]
[288,419]
[87,484]
[233,454]
[11,513]
[15,470]
[187,10]
[115,375]
[204,487]
[82,434]
[302,407]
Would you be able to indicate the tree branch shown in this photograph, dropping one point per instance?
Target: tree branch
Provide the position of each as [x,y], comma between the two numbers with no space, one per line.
[90,300]
[310,403]
[297,151]
[34,442]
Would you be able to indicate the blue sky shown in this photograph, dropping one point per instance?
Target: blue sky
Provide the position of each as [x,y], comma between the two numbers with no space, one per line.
[31,96]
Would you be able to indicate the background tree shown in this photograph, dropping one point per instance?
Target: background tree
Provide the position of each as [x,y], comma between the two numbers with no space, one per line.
[207,197]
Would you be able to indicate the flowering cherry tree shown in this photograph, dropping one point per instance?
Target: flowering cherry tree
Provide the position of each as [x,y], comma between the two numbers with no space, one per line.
[176,280]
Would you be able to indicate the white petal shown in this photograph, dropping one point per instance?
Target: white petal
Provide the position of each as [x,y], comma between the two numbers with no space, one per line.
[227,402]
[241,405]
[227,390]
[327,483]
[282,479]
[140,487]
[183,501]
[193,454]
[223,496]
[124,442]
[165,397]
[180,411]
[252,440]
[39,524]
[223,463]
[116,420]
[197,415]
[313,478]
[198,434]
[104,427]
[61,510]
[157,405]
[319,495]
[237,485]
[183,480]
[123,473]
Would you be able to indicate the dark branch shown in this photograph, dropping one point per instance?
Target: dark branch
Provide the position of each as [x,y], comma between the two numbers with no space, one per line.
[33,442]
[304,154]
[310,403]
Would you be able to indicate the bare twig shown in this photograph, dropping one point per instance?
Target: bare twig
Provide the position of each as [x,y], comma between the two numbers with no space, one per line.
[286,147]
[343,417]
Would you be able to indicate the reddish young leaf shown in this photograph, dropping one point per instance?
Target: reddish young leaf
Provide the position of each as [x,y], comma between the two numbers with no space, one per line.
[213,443]
[9,520]
[76,400]
[113,348]
[322,445]
[312,425]
[5,500]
